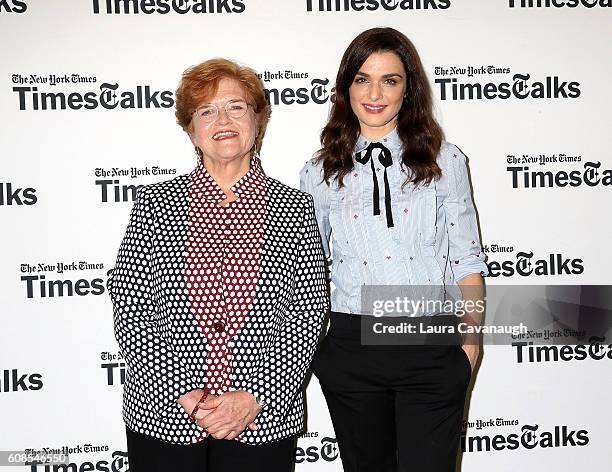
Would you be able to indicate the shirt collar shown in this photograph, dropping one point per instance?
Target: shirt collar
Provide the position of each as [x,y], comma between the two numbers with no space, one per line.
[253,182]
[391,140]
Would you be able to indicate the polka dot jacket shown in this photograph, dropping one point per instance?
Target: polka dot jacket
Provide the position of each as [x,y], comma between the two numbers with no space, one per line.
[225,297]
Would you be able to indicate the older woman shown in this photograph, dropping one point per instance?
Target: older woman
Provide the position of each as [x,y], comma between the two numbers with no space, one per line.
[219,292]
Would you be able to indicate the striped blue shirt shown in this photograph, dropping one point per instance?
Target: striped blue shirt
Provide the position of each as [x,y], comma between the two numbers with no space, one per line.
[434,239]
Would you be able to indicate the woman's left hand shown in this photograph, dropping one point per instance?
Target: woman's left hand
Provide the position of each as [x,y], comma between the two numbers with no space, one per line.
[233,413]
[472,351]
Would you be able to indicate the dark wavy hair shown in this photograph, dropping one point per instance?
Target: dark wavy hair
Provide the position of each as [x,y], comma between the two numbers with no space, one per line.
[418,130]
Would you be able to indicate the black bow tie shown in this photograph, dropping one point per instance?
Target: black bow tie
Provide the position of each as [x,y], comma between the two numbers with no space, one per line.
[386,160]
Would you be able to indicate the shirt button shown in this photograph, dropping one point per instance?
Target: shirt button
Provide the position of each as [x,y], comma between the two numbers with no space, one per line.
[219,326]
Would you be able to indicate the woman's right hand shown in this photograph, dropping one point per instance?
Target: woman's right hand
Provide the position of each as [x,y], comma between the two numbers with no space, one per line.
[189,401]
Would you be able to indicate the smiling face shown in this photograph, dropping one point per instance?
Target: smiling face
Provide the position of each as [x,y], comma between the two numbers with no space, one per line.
[377,93]
[225,138]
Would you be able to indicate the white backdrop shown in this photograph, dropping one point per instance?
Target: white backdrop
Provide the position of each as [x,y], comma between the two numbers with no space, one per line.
[78,112]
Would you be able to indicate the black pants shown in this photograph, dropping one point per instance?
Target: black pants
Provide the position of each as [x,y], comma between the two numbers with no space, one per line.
[394,408]
[147,454]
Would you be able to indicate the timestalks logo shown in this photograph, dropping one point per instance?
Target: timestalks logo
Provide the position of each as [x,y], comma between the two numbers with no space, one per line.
[595,350]
[525,265]
[10,195]
[13,6]
[558,3]
[521,88]
[38,286]
[112,190]
[373,5]
[317,94]
[591,176]
[117,463]
[114,366]
[13,381]
[327,451]
[163,7]
[112,369]
[109,98]
[529,438]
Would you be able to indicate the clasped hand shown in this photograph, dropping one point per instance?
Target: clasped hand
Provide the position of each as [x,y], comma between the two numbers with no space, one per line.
[224,416]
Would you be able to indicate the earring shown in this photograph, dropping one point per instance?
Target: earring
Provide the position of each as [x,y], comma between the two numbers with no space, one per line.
[199,154]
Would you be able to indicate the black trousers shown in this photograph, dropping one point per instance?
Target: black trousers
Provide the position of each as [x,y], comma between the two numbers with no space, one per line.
[147,454]
[394,408]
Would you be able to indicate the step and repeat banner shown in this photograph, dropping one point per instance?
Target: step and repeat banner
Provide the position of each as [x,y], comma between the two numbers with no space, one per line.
[87,116]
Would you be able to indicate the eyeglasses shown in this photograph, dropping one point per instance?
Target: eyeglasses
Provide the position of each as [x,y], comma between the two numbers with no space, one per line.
[234,109]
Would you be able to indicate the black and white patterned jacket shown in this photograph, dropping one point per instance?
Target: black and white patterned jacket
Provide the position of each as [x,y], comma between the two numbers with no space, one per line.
[161,317]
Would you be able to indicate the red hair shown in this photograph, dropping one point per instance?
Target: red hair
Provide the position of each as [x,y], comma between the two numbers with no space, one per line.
[200,83]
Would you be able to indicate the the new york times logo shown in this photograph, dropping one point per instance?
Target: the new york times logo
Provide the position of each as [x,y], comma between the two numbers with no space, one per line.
[14,381]
[13,6]
[41,280]
[163,7]
[526,263]
[542,159]
[52,79]
[592,175]
[596,350]
[315,90]
[118,462]
[10,194]
[112,190]
[521,87]
[558,3]
[489,423]
[114,367]
[373,5]
[109,97]
[326,451]
[529,437]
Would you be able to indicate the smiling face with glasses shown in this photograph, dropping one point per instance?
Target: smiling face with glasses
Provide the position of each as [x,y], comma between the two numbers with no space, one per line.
[225,128]
[234,109]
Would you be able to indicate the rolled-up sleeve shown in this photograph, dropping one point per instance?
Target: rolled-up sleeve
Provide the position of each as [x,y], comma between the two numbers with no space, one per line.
[465,250]
[311,182]
[150,359]
[279,374]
